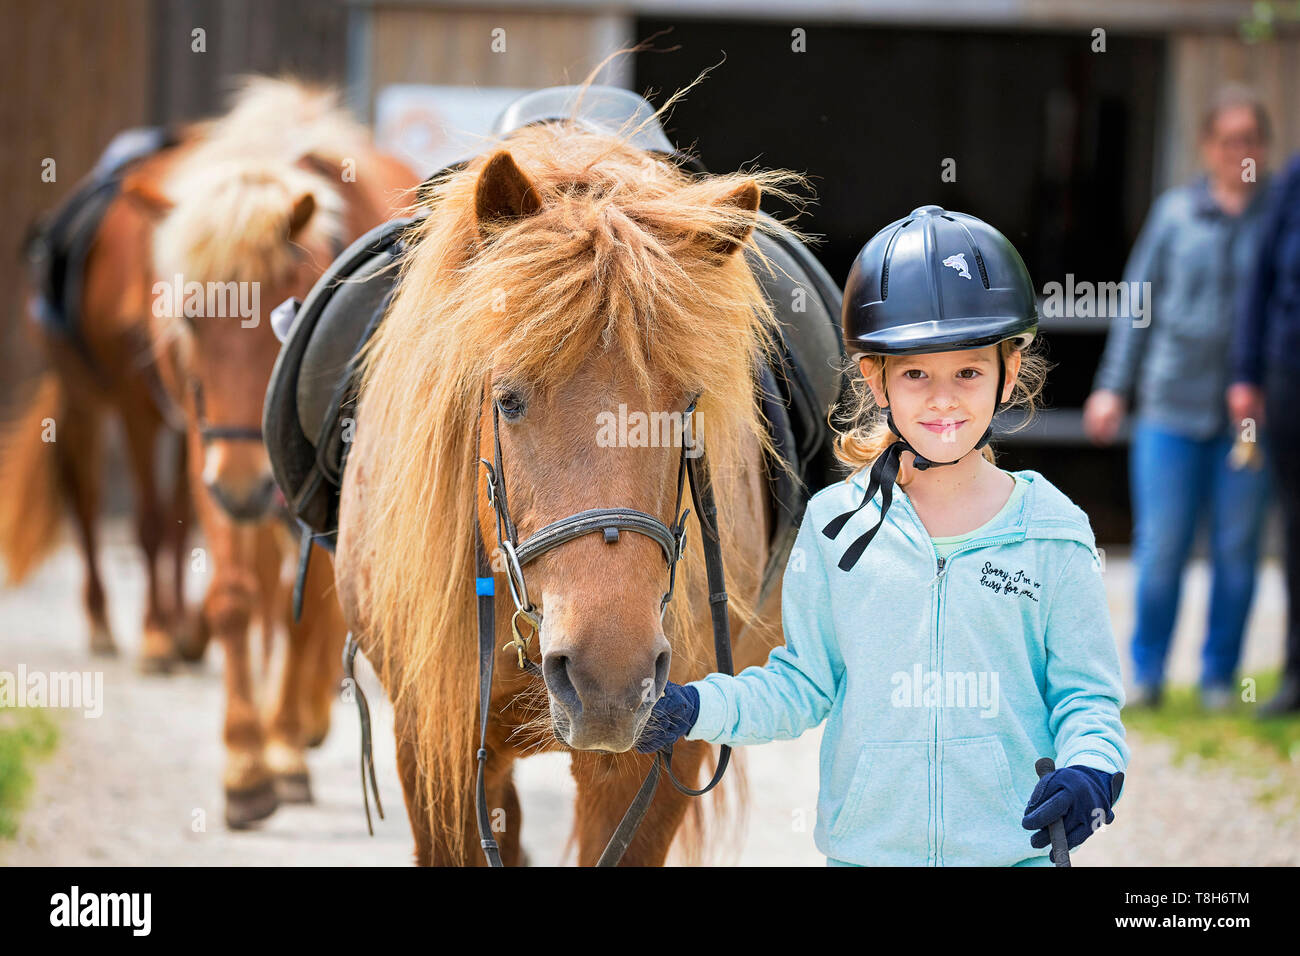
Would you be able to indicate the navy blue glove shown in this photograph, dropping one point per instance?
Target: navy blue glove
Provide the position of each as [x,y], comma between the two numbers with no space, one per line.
[673,715]
[1073,793]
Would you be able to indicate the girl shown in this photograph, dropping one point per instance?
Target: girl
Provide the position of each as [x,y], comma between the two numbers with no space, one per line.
[973,637]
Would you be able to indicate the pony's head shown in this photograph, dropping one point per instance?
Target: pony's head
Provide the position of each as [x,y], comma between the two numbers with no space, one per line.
[589,290]
[234,238]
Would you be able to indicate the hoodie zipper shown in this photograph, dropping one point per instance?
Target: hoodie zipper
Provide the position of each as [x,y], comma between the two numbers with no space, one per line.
[935,836]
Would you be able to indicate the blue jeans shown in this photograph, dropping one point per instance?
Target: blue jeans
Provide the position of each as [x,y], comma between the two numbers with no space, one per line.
[1174,480]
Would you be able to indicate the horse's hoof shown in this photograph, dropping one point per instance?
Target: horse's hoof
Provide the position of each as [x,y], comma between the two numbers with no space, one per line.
[156,665]
[318,739]
[102,643]
[293,788]
[191,640]
[246,807]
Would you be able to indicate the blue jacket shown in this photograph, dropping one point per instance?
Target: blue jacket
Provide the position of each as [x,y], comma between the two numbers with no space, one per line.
[941,684]
[1195,259]
[1267,341]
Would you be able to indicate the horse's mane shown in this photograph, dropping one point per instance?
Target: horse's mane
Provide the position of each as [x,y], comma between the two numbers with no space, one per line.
[234,192]
[613,260]
[287,118]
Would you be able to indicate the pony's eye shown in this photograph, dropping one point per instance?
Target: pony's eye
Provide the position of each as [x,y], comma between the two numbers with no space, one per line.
[511,405]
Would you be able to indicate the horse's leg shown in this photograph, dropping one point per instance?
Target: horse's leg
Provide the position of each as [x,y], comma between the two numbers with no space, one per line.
[189,634]
[412,783]
[284,733]
[141,426]
[324,670]
[78,450]
[607,785]
[502,800]
[227,612]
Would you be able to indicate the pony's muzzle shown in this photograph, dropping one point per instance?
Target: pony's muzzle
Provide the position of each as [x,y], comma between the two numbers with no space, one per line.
[251,502]
[602,707]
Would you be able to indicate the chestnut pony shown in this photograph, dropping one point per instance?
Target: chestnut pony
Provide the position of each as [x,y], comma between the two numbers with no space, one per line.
[256,212]
[561,274]
[109,371]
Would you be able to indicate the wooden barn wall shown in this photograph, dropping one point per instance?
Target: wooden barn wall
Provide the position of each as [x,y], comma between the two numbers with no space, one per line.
[1198,63]
[305,38]
[454,46]
[63,98]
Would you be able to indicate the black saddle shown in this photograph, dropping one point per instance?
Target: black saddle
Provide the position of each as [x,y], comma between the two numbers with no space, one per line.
[58,244]
[310,401]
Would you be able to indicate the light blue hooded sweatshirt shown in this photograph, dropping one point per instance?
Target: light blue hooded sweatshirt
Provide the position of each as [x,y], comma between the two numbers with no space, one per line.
[941,680]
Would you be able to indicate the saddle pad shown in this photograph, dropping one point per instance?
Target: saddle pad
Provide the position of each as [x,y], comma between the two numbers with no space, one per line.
[59,243]
[312,384]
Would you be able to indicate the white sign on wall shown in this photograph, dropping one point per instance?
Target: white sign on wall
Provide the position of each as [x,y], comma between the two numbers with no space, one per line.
[434,126]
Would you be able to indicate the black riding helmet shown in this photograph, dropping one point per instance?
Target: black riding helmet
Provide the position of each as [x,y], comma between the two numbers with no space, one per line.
[935,281]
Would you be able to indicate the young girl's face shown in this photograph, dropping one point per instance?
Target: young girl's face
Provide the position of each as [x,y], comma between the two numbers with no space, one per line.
[942,401]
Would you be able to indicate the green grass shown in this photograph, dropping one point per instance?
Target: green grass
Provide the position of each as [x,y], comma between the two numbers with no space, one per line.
[26,734]
[1266,750]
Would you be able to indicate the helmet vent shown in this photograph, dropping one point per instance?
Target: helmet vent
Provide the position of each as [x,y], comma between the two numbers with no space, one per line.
[884,271]
[979,261]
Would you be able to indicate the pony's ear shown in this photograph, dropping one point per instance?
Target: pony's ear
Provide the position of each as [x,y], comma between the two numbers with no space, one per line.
[146,195]
[321,166]
[504,192]
[304,207]
[744,198]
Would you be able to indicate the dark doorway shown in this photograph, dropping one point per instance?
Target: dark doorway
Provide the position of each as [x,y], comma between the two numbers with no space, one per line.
[1049,141]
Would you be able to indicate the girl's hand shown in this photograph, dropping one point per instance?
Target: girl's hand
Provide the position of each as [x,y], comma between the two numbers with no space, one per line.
[1080,795]
[673,716]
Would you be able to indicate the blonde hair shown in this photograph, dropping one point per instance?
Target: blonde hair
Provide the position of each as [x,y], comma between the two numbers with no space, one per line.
[866,434]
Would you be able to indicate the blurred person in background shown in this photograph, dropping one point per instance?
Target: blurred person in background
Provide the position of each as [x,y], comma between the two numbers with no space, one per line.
[1192,259]
[1266,388]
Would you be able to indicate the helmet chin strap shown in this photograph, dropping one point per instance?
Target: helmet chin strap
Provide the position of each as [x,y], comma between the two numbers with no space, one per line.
[884,473]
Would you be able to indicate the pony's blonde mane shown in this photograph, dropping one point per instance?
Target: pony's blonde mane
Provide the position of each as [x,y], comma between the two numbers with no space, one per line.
[234,193]
[615,259]
[285,118]
[231,222]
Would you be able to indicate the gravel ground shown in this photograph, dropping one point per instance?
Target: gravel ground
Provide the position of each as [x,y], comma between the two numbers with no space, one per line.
[141,783]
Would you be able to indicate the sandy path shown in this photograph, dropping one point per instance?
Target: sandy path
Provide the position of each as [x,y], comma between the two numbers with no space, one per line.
[141,783]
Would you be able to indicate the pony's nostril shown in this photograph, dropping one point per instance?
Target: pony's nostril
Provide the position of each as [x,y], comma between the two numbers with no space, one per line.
[663,660]
[555,670]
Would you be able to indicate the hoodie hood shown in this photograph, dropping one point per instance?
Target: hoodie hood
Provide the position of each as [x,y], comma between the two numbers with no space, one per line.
[1044,512]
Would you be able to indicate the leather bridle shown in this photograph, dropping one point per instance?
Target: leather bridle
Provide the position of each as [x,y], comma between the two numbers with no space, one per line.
[211,433]
[608,521]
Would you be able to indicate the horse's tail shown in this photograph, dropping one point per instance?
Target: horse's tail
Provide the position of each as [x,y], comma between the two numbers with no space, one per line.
[31,498]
